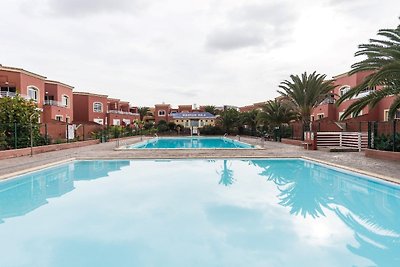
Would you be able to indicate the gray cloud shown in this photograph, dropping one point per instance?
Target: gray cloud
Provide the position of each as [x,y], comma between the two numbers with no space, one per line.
[230,39]
[275,15]
[91,7]
[269,25]
[180,92]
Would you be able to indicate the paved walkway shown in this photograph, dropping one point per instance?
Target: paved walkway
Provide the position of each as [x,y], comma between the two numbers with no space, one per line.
[354,160]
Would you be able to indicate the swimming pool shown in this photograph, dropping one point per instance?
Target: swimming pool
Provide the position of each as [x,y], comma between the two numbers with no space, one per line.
[261,212]
[190,143]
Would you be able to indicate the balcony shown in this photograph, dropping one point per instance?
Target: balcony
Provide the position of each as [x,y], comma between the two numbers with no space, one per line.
[328,100]
[364,93]
[7,94]
[13,94]
[54,103]
[122,112]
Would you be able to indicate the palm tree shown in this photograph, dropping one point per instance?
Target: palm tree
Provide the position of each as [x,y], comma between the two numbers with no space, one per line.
[276,112]
[306,93]
[383,58]
[143,111]
[229,119]
[210,109]
[249,118]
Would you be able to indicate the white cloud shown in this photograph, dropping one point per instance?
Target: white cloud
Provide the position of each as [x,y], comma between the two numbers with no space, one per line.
[200,51]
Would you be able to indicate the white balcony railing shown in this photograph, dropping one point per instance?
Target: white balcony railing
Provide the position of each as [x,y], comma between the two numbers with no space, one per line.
[363,93]
[122,112]
[54,103]
[13,94]
[7,94]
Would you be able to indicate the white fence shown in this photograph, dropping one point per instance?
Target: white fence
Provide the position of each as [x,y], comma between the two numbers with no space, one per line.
[343,139]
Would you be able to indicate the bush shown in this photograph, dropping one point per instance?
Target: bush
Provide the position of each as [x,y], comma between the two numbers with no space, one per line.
[162,126]
[211,130]
[385,142]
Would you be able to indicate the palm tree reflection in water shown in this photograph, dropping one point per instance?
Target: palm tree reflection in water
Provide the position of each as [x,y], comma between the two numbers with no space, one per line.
[226,174]
[368,209]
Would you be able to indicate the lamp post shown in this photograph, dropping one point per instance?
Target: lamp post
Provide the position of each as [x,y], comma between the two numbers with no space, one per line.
[30,122]
[8,88]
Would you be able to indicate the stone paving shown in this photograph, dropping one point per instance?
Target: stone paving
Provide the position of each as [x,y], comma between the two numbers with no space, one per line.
[354,160]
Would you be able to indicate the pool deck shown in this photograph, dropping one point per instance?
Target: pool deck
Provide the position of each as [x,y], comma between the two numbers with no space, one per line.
[385,169]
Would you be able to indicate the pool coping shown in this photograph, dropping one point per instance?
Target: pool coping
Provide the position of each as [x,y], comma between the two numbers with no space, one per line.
[10,176]
[52,164]
[126,147]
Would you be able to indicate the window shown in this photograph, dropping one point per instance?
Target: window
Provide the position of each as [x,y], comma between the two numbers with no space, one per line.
[67,120]
[386,115]
[344,89]
[99,121]
[33,93]
[65,100]
[320,115]
[59,118]
[161,113]
[97,107]
[340,115]
[116,122]
[312,117]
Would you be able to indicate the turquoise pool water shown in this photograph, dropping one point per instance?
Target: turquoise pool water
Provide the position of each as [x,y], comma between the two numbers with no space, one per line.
[189,142]
[198,213]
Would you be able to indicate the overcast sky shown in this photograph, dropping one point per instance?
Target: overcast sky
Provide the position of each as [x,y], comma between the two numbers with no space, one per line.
[187,51]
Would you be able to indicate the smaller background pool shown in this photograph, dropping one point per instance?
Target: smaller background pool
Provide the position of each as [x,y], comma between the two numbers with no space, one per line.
[189,143]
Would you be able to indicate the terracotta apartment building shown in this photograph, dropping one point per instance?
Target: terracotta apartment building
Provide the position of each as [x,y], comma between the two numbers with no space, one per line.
[25,83]
[328,109]
[58,102]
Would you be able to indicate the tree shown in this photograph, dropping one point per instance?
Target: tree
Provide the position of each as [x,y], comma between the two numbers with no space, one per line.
[383,59]
[306,93]
[229,119]
[276,113]
[17,113]
[162,126]
[249,118]
[143,111]
[210,109]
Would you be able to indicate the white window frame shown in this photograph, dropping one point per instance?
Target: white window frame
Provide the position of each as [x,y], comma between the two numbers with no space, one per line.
[101,107]
[99,121]
[162,115]
[30,88]
[386,115]
[59,116]
[116,122]
[319,116]
[344,89]
[340,115]
[62,100]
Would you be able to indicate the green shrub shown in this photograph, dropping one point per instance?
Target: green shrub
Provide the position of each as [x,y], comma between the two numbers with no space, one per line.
[385,142]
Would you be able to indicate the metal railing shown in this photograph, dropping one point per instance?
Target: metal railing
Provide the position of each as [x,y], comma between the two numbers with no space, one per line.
[13,94]
[54,103]
[7,94]
[122,112]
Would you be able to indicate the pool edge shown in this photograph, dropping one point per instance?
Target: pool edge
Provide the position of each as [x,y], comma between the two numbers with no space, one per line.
[13,175]
[52,164]
[366,173]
